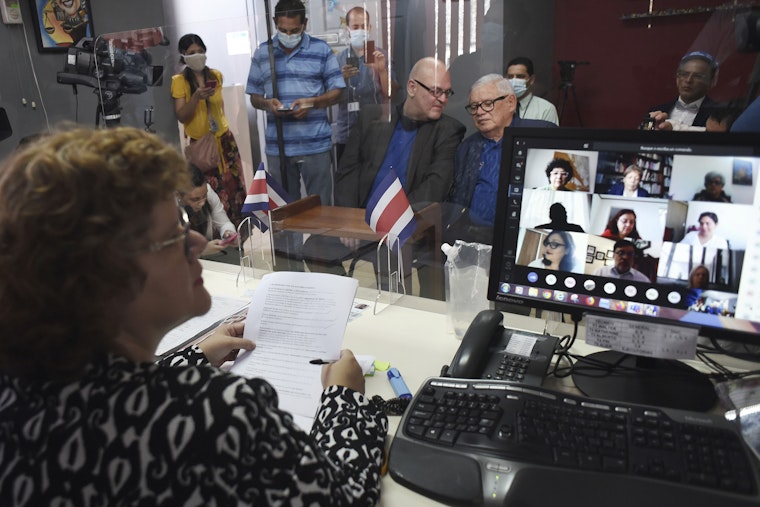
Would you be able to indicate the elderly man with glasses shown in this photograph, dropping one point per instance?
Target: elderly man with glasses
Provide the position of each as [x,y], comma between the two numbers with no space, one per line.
[713,191]
[492,106]
[697,73]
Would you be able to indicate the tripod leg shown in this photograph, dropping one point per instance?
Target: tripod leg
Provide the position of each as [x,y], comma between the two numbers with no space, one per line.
[562,101]
[577,108]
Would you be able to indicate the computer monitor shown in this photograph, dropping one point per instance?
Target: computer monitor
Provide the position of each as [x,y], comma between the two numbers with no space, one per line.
[650,226]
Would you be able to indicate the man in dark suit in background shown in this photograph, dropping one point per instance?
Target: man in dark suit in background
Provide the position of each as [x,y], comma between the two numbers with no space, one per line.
[415,140]
[697,73]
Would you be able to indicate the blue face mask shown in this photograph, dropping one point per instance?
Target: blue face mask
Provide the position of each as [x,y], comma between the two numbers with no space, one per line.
[520,86]
[358,37]
[289,41]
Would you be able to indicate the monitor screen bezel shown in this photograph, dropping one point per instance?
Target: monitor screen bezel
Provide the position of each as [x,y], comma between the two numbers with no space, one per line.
[506,190]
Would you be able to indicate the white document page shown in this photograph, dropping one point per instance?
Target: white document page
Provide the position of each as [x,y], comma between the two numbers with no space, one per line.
[221,308]
[294,318]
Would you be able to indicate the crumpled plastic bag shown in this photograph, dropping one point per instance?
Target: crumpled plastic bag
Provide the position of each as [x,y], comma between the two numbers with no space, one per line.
[466,273]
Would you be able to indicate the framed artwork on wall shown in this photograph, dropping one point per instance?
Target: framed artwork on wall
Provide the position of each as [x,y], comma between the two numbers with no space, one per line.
[742,174]
[60,24]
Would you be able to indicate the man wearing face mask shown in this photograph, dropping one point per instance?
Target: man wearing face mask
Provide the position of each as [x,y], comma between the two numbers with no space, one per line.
[521,76]
[366,83]
[309,81]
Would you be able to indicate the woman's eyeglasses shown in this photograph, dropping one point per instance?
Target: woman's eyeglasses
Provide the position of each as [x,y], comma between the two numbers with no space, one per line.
[184,224]
[553,244]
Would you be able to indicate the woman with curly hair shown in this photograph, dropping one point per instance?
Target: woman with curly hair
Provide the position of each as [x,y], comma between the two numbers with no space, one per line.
[99,263]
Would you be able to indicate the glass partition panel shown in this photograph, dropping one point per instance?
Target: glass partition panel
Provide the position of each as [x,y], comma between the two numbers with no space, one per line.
[597,65]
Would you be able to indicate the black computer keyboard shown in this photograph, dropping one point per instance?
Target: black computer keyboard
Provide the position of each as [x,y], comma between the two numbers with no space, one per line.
[481,442]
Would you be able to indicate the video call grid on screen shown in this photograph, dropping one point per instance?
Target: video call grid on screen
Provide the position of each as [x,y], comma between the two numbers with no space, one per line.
[667,223]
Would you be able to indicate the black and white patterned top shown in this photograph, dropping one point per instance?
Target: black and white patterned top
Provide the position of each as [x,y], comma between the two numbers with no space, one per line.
[181,432]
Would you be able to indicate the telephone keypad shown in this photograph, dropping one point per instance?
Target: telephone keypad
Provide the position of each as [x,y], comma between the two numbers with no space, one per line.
[511,367]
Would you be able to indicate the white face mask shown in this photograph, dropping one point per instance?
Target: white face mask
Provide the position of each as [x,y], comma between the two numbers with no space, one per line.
[289,41]
[196,62]
[520,86]
[358,37]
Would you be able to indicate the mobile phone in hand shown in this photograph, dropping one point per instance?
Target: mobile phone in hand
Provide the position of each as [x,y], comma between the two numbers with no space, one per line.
[369,53]
[229,239]
[352,61]
[210,84]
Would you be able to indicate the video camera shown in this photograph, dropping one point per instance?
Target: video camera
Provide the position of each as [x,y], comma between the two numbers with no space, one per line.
[567,70]
[111,71]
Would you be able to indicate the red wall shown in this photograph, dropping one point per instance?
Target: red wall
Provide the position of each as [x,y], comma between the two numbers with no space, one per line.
[632,66]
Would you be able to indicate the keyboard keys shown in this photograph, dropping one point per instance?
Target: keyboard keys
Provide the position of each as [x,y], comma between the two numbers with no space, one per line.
[536,426]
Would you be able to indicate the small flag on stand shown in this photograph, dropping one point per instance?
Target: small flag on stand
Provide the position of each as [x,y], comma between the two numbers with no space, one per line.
[264,195]
[389,211]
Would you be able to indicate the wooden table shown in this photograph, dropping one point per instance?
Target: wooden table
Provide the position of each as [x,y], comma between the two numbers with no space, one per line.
[308,216]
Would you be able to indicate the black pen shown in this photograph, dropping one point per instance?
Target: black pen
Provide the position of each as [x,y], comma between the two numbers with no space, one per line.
[321,361]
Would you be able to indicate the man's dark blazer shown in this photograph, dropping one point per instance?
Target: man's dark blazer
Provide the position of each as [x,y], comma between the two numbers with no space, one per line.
[699,121]
[430,170]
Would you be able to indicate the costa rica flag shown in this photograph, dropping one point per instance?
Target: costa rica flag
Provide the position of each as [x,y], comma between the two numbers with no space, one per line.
[389,212]
[264,195]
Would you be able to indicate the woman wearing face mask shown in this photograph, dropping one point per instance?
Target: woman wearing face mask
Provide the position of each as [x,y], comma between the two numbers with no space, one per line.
[198,104]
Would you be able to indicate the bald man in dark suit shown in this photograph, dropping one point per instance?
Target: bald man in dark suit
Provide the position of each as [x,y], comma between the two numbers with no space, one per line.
[415,140]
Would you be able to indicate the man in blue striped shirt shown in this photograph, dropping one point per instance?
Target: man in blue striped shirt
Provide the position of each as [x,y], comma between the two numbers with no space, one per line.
[309,81]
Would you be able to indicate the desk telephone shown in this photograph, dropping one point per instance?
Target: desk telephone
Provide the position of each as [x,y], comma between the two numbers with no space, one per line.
[484,353]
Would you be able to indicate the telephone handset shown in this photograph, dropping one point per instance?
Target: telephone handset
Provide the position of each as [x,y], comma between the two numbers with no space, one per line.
[470,359]
[484,353]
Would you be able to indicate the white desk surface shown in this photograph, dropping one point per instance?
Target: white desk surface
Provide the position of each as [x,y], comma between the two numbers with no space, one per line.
[413,335]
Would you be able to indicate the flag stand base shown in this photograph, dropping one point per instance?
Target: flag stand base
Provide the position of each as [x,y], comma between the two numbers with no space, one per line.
[247,268]
[396,285]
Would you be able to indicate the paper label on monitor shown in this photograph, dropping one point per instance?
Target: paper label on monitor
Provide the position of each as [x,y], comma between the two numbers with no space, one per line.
[642,338]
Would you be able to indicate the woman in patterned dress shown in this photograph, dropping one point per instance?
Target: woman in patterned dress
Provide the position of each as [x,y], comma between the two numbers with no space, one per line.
[100,264]
[193,102]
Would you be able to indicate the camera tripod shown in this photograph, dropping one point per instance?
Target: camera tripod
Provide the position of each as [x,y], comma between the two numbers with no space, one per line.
[567,88]
[564,88]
